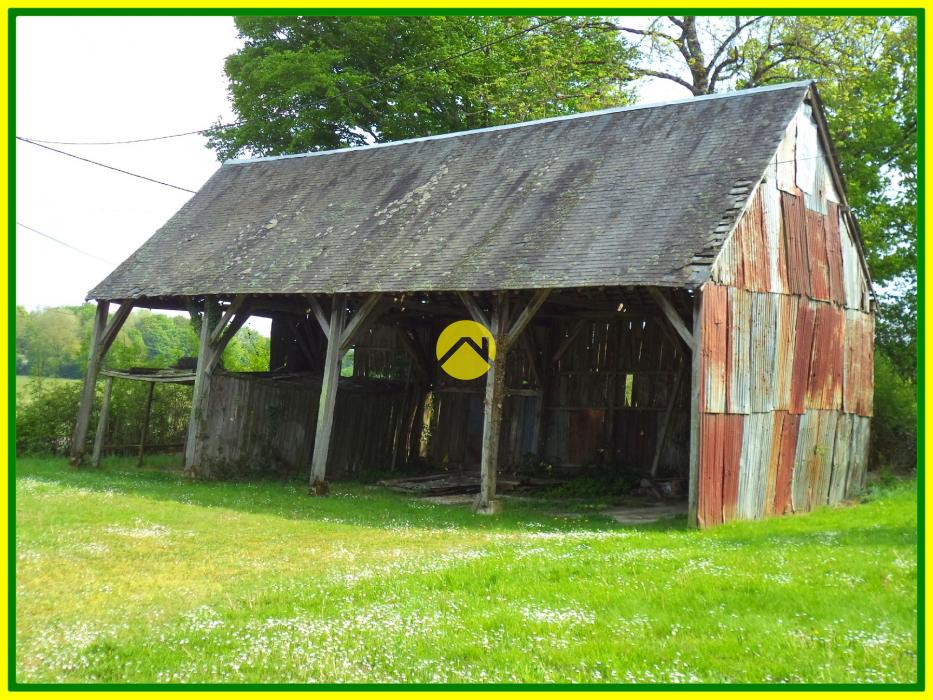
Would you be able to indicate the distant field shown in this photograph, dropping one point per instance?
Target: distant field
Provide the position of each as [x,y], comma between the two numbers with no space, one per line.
[23,382]
[126,574]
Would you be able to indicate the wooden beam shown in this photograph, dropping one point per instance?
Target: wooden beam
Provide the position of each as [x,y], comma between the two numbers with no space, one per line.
[670,313]
[217,348]
[102,422]
[102,337]
[303,345]
[116,323]
[146,415]
[198,395]
[419,359]
[476,313]
[524,318]
[328,398]
[363,315]
[319,314]
[666,418]
[568,341]
[696,377]
[231,310]
[492,410]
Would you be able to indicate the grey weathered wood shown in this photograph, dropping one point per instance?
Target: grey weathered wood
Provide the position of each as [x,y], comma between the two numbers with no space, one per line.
[492,410]
[319,314]
[217,349]
[229,313]
[363,315]
[102,337]
[198,394]
[670,313]
[102,422]
[476,313]
[524,318]
[416,353]
[568,341]
[696,378]
[666,419]
[328,398]
[145,429]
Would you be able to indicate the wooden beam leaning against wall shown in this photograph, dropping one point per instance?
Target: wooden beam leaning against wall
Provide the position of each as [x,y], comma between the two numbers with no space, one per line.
[102,337]
[339,333]
[214,339]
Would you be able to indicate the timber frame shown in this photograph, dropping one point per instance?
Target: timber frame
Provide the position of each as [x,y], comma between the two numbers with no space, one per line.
[326,327]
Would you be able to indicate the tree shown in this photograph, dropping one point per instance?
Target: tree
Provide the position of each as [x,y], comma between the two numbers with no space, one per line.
[310,83]
[866,72]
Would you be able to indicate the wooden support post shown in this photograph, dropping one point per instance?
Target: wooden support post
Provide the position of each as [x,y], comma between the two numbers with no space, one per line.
[209,355]
[696,376]
[505,337]
[145,429]
[568,341]
[670,313]
[102,338]
[476,313]
[328,400]
[192,446]
[666,419]
[101,434]
[492,410]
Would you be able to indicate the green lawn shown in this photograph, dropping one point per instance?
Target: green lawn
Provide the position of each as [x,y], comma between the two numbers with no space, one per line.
[141,576]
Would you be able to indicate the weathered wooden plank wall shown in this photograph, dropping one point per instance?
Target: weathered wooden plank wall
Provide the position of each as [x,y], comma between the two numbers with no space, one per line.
[786,362]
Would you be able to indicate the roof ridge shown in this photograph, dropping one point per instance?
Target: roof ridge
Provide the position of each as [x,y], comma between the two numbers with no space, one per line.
[516,125]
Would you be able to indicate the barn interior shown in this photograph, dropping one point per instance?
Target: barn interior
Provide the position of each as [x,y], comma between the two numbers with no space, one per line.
[597,384]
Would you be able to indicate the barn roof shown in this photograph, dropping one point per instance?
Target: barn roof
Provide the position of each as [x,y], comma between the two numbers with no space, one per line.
[639,195]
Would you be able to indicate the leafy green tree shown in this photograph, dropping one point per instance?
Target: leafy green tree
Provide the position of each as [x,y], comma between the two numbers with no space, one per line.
[866,71]
[310,83]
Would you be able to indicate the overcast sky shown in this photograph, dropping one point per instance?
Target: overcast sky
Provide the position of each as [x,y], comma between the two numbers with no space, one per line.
[107,79]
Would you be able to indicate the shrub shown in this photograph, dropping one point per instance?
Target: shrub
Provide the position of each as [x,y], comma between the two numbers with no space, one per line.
[894,425]
[46,411]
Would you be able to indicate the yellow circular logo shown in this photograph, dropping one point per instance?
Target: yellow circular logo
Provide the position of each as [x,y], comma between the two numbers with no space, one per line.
[465,349]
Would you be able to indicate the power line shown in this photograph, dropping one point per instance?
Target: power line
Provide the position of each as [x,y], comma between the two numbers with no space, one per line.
[104,165]
[67,245]
[317,103]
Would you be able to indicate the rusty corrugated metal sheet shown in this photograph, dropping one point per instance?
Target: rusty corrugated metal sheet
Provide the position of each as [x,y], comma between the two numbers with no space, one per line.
[795,229]
[858,380]
[714,348]
[803,346]
[738,334]
[761,354]
[784,339]
[816,257]
[834,254]
[787,450]
[824,390]
[774,235]
[754,465]
[842,445]
[720,457]
[756,261]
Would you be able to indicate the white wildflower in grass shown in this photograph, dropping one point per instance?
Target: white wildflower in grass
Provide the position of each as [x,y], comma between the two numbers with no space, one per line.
[558,616]
[141,530]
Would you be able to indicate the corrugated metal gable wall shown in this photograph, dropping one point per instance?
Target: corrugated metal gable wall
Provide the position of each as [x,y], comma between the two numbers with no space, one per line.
[787,348]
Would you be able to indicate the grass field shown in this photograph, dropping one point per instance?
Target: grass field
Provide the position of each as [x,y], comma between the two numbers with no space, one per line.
[23,382]
[141,576]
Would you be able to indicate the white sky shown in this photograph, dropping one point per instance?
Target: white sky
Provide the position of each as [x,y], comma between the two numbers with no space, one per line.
[113,78]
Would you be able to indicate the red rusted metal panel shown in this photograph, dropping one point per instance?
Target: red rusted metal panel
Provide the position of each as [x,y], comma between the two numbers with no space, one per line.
[784,340]
[709,497]
[858,379]
[787,448]
[795,231]
[817,259]
[720,455]
[773,450]
[753,244]
[733,428]
[714,348]
[837,291]
[803,346]
[824,384]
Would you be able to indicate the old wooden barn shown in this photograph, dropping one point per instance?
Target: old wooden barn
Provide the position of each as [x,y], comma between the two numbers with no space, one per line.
[677,289]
